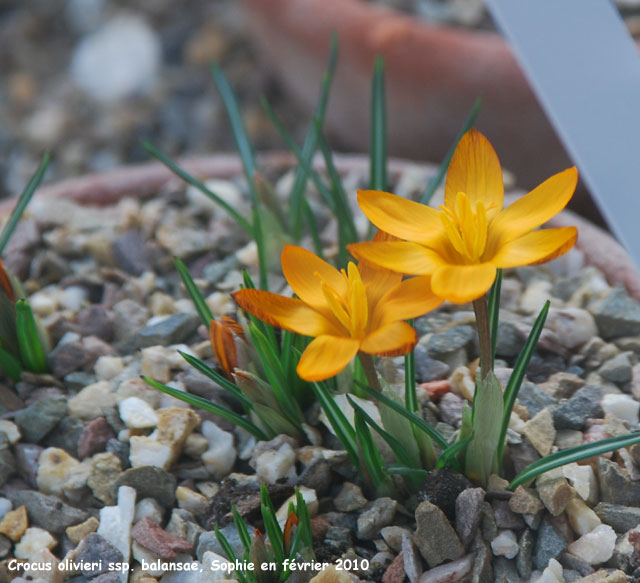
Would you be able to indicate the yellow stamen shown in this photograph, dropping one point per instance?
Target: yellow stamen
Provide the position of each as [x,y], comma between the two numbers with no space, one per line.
[466,227]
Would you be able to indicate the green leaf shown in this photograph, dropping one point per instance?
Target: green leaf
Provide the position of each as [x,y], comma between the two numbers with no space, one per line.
[517,376]
[573,454]
[31,351]
[241,527]
[23,200]
[271,526]
[228,550]
[410,394]
[481,456]
[400,427]
[396,446]
[378,147]
[413,418]
[466,126]
[371,462]
[10,365]
[304,520]
[494,312]
[171,165]
[414,474]
[248,163]
[449,455]
[216,377]
[343,429]
[194,293]
[309,147]
[200,403]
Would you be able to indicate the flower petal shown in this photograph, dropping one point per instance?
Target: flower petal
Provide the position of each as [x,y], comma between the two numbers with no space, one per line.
[533,209]
[462,283]
[475,170]
[536,247]
[326,356]
[400,256]
[391,340]
[400,217]
[410,299]
[288,313]
[300,267]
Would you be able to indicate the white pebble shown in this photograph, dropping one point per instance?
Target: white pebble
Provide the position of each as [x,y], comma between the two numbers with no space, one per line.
[505,544]
[308,495]
[34,540]
[622,406]
[146,451]
[581,518]
[190,500]
[115,524]
[552,574]
[148,507]
[73,297]
[10,429]
[273,465]
[5,506]
[108,367]
[583,479]
[595,547]
[155,365]
[221,455]
[137,414]
[572,326]
[248,255]
[102,65]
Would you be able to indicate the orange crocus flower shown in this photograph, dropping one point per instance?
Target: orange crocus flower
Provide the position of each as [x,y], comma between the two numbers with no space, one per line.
[347,311]
[463,243]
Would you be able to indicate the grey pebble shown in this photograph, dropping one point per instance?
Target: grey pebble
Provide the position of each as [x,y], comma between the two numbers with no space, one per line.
[95,550]
[38,419]
[172,330]
[150,482]
[550,544]
[575,411]
[617,315]
[435,538]
[47,512]
[620,518]
[377,514]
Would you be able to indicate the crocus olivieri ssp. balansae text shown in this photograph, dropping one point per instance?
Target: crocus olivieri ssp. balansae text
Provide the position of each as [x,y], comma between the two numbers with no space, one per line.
[360,309]
[462,244]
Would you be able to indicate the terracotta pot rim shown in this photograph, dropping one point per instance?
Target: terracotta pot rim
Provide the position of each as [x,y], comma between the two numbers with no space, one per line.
[145,180]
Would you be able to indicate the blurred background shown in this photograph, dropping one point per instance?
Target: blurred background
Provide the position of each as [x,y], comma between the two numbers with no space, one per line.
[88,80]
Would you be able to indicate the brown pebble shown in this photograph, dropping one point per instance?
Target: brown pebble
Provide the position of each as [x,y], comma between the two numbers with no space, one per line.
[15,523]
[77,532]
[395,571]
[94,438]
[154,538]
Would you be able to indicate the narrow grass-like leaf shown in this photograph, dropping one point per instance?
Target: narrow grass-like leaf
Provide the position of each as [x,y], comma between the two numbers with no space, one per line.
[308,149]
[303,162]
[271,526]
[573,454]
[494,313]
[437,179]
[228,550]
[378,143]
[347,232]
[517,376]
[304,518]
[313,228]
[415,474]
[23,200]
[370,457]
[194,293]
[248,162]
[171,165]
[235,119]
[31,350]
[241,527]
[216,377]
[410,394]
[206,405]
[10,365]
[398,449]
[449,455]
[413,418]
[343,429]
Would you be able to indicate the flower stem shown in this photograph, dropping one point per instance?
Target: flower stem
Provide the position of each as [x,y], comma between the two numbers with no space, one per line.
[480,307]
[370,371]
